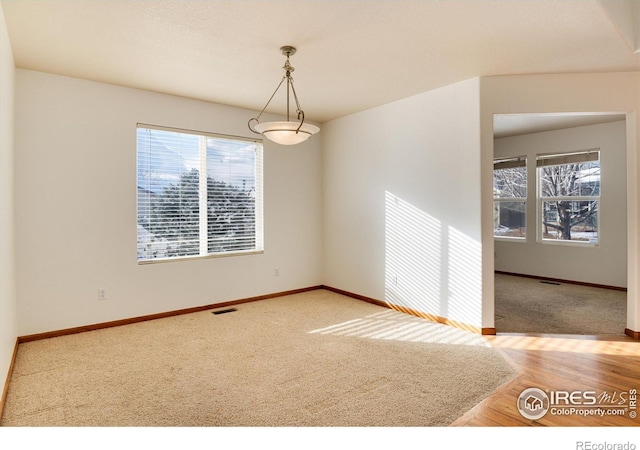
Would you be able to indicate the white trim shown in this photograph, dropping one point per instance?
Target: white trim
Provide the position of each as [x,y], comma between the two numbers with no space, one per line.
[144,262]
[203,228]
[196,132]
[520,240]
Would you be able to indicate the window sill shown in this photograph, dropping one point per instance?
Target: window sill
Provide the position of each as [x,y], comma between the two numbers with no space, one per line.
[521,240]
[568,243]
[197,257]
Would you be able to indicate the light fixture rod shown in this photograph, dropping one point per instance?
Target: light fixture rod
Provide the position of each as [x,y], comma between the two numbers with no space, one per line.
[288,88]
[269,101]
[295,96]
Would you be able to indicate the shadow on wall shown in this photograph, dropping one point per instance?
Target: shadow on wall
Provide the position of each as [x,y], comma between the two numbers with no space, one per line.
[430,267]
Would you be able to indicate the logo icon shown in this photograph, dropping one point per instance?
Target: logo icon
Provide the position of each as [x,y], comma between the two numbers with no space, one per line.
[533,403]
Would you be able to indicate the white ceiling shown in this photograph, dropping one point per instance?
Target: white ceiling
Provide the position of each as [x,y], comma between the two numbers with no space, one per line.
[352,54]
[507,125]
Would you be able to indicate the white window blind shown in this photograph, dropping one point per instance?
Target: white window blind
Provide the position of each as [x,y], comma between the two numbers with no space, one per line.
[184,213]
[509,163]
[567,158]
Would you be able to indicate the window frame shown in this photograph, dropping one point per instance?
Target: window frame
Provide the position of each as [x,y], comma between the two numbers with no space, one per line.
[506,163]
[202,199]
[566,158]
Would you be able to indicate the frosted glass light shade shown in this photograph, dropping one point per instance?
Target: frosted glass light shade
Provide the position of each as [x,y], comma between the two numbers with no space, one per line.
[285,132]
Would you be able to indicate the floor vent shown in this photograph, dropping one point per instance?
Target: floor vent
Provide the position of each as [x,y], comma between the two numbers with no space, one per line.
[550,282]
[224,311]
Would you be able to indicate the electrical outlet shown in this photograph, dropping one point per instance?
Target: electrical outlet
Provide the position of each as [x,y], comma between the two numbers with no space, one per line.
[276,272]
[102,294]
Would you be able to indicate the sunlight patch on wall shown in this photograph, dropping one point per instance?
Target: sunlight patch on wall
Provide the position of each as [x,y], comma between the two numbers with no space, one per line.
[394,325]
[464,279]
[413,256]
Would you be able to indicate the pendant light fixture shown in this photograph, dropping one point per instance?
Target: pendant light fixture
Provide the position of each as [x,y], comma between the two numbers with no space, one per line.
[285,132]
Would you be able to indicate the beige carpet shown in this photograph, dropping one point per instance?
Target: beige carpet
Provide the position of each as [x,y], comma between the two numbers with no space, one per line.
[525,305]
[311,359]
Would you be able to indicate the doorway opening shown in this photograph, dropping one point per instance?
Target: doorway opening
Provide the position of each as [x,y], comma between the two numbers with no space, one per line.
[560,223]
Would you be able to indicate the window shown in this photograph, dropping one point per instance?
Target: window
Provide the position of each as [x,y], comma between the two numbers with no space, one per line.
[184,214]
[510,197]
[569,196]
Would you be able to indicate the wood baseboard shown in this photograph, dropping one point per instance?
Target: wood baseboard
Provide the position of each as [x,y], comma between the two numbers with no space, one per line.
[117,323]
[5,390]
[413,312]
[560,280]
[632,334]
[356,296]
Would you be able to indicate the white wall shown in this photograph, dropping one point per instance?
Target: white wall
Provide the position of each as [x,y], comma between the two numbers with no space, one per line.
[402,205]
[605,263]
[606,92]
[404,218]
[8,318]
[75,198]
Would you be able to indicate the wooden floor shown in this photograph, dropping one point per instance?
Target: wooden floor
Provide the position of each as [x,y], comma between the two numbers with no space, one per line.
[561,363]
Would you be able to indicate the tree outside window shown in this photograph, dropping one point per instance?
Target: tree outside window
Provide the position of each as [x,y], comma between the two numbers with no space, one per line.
[569,193]
[510,198]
